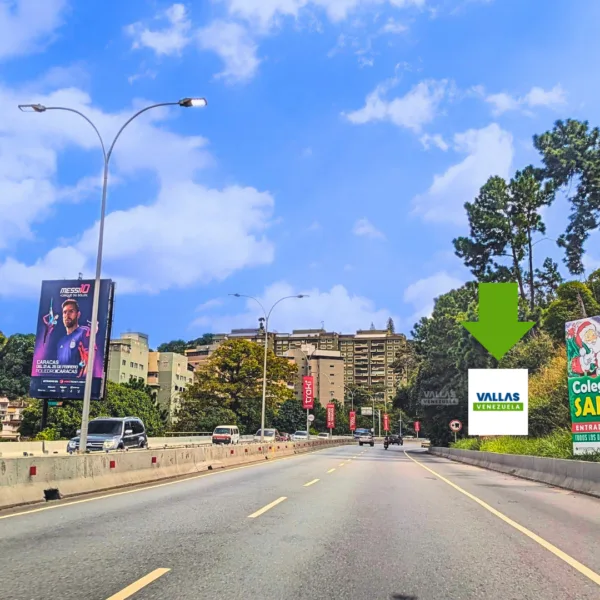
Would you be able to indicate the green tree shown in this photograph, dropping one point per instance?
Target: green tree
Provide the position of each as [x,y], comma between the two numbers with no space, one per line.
[204,340]
[574,301]
[503,220]
[178,346]
[16,358]
[391,328]
[291,417]
[406,360]
[232,378]
[121,401]
[571,155]
[3,339]
[593,284]
[547,280]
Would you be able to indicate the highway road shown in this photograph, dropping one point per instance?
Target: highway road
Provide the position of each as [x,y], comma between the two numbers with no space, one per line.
[342,523]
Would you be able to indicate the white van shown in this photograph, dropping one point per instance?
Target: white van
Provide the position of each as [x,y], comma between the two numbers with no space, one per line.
[226,434]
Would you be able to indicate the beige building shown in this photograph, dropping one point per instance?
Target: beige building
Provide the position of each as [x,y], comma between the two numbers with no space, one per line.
[11,416]
[327,368]
[198,356]
[128,358]
[367,356]
[169,374]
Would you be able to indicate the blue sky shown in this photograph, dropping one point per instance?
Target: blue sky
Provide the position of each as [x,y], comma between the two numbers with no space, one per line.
[341,139]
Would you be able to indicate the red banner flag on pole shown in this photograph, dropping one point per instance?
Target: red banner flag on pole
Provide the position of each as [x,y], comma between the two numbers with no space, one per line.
[386,422]
[352,421]
[308,392]
[331,416]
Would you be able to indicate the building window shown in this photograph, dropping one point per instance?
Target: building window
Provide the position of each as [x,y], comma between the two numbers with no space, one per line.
[124,362]
[131,364]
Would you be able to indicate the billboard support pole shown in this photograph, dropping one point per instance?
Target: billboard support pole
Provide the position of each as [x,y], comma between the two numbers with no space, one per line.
[44,414]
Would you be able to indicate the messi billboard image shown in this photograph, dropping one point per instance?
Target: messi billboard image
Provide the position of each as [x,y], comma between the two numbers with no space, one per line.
[60,357]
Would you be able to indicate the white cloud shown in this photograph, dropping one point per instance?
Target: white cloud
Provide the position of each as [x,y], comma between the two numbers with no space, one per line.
[186,234]
[436,140]
[537,96]
[26,24]
[213,303]
[171,39]
[235,46]
[364,228]
[340,310]
[422,293]
[489,152]
[267,13]
[416,108]
[393,26]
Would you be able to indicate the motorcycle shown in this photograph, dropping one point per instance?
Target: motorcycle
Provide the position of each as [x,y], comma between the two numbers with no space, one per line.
[386,444]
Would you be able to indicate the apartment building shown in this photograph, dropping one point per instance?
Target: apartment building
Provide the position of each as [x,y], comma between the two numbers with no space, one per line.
[169,374]
[11,416]
[367,355]
[128,358]
[198,356]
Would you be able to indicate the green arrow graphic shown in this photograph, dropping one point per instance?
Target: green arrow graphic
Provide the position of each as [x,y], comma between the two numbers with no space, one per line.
[498,328]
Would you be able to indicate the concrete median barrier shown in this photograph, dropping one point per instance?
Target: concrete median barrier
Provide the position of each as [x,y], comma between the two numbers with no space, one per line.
[576,475]
[32,479]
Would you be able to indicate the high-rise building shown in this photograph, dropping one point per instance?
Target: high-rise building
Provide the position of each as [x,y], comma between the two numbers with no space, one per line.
[169,374]
[367,356]
[128,358]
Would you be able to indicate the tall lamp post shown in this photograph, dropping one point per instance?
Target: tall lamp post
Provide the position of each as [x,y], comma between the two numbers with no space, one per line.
[40,108]
[267,316]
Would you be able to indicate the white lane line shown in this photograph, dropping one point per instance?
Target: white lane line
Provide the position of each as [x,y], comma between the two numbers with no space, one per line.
[311,482]
[264,509]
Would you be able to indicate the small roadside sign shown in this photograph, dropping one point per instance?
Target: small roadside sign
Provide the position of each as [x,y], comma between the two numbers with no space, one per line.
[455,425]
[311,418]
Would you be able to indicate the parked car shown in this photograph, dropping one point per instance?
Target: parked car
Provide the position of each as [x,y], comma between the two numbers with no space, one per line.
[271,435]
[111,433]
[300,436]
[323,435]
[226,434]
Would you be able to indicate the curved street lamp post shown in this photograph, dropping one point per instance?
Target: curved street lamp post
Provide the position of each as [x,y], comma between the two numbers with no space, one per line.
[264,387]
[40,108]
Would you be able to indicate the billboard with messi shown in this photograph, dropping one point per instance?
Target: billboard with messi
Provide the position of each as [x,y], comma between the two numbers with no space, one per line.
[60,358]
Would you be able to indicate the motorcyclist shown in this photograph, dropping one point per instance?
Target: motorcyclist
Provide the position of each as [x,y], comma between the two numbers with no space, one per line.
[386,442]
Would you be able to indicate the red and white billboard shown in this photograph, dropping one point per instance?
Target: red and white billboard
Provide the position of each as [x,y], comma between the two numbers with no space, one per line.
[352,420]
[308,392]
[417,426]
[386,422]
[331,416]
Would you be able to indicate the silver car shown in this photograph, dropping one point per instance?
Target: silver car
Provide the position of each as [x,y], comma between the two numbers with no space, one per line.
[300,436]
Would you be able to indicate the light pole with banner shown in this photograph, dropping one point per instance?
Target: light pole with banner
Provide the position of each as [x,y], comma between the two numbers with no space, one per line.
[304,398]
[40,108]
[264,387]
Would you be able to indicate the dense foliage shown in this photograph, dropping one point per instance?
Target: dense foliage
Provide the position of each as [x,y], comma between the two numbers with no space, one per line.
[231,380]
[121,401]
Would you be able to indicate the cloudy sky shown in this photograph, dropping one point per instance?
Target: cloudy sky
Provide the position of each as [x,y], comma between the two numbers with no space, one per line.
[340,142]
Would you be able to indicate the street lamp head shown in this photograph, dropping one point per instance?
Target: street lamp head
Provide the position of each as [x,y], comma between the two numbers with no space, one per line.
[193,102]
[32,108]
[302,296]
[236,295]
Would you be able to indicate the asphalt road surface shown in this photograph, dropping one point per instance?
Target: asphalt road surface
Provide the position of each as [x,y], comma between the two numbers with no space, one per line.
[343,523]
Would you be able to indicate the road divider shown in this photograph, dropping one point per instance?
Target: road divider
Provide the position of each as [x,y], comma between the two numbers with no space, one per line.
[28,480]
[575,475]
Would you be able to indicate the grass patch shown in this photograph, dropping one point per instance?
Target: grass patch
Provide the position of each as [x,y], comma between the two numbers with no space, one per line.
[556,445]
